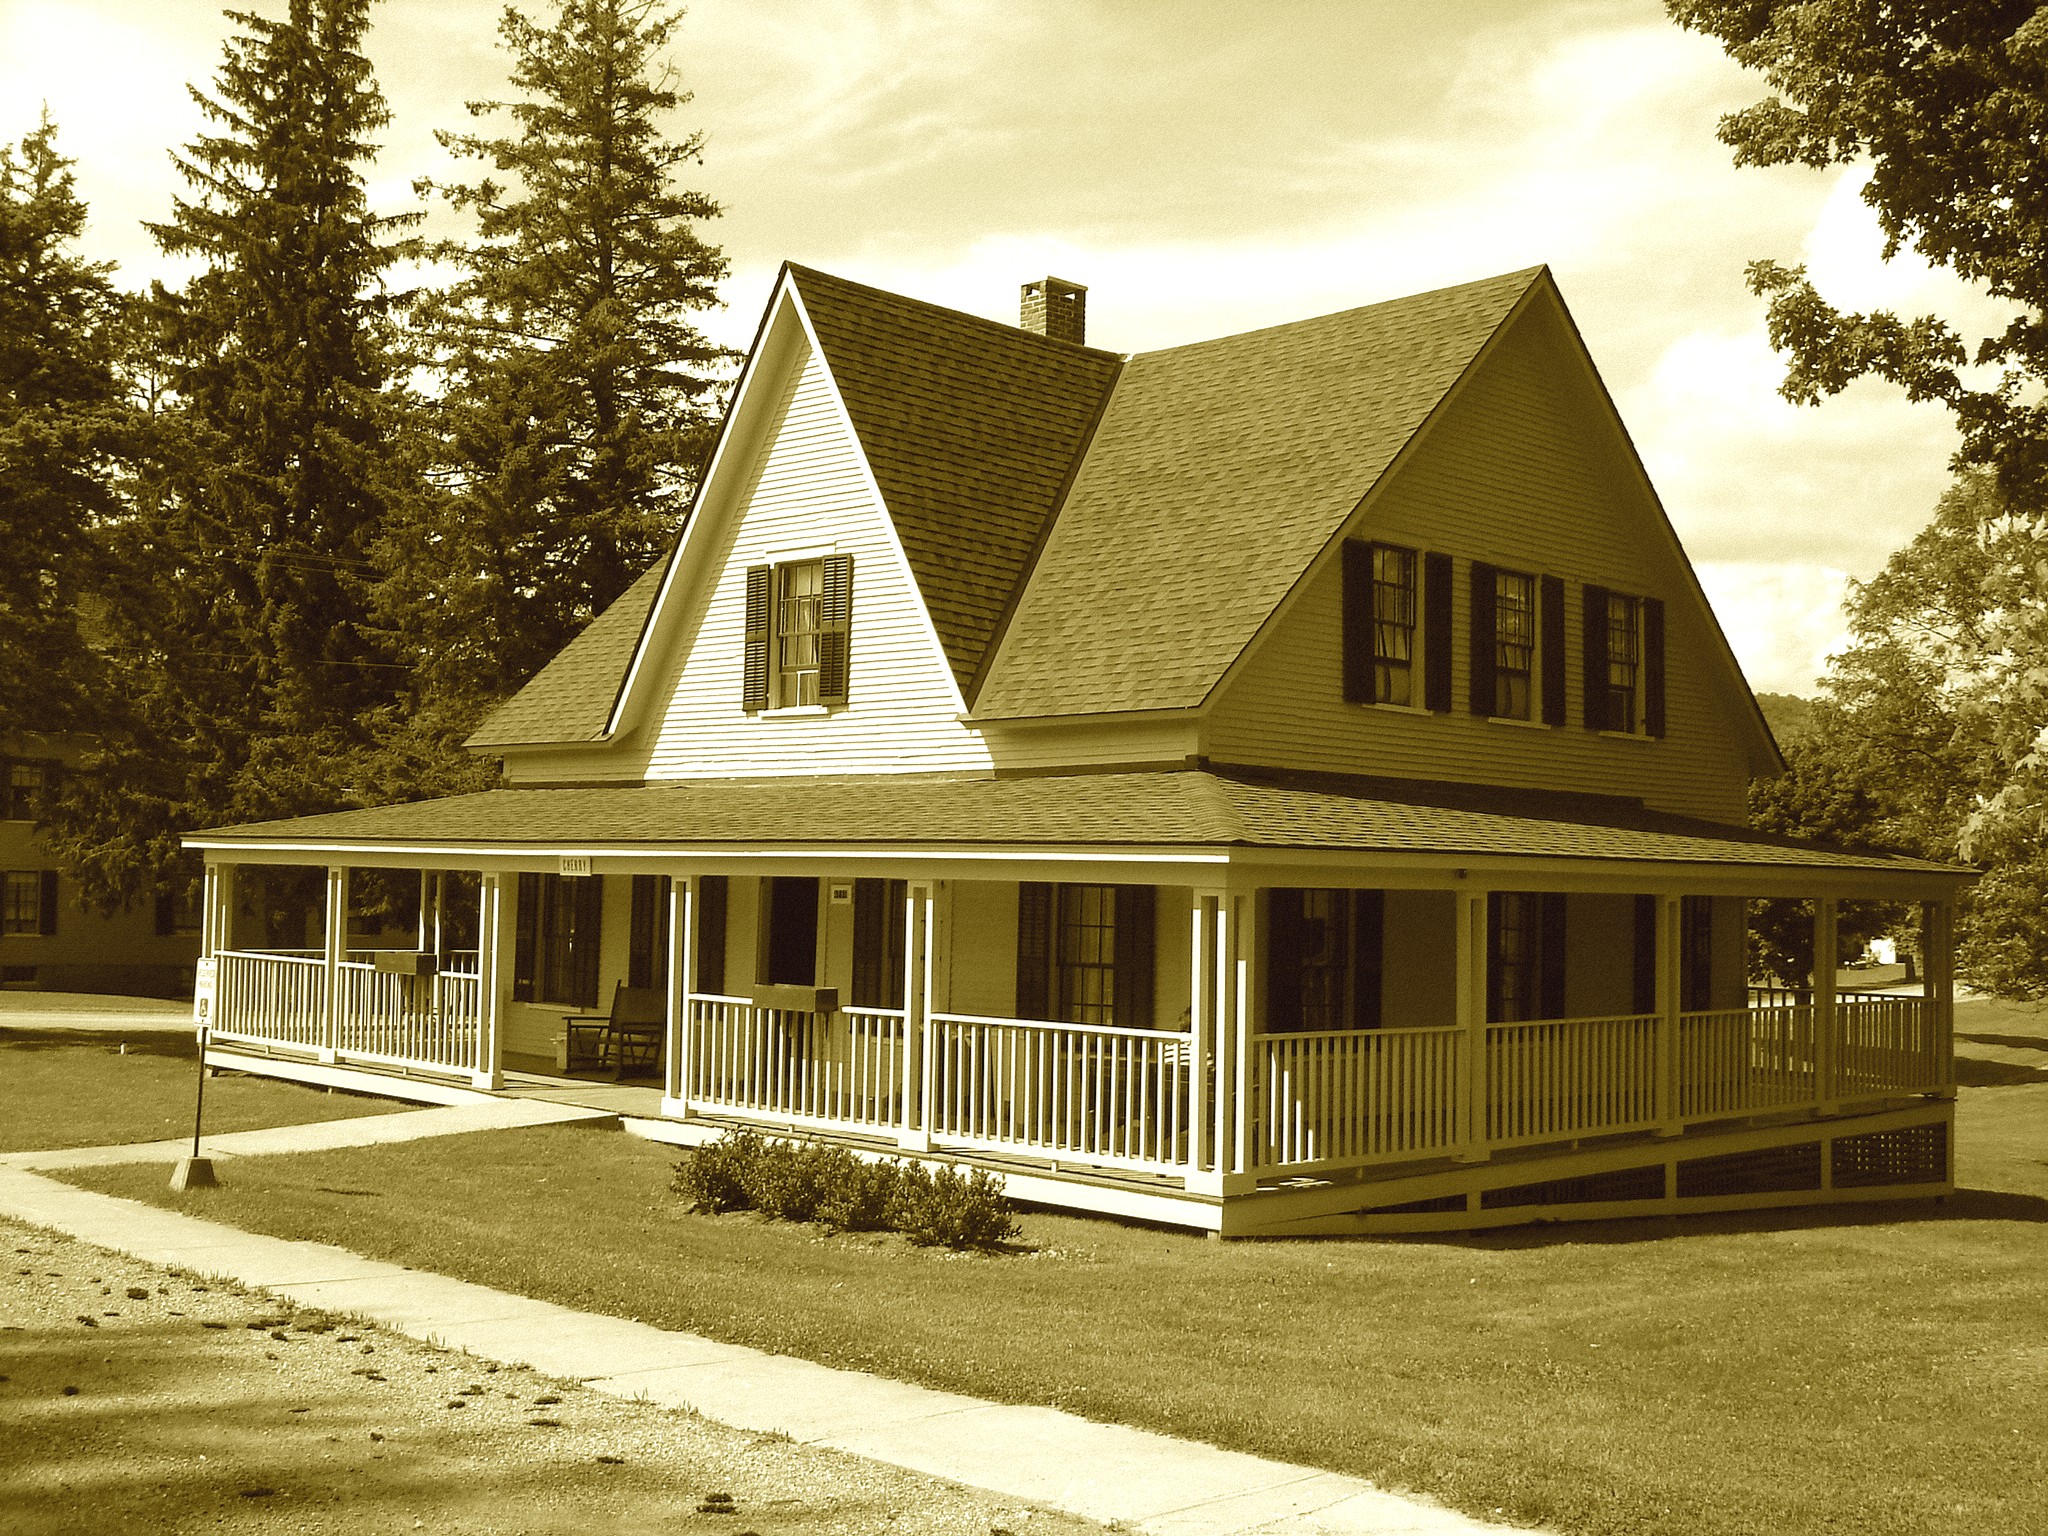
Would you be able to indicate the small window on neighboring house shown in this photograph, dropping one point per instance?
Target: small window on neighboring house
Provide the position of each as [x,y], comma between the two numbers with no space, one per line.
[1624,680]
[1085,953]
[178,906]
[28,902]
[559,928]
[798,633]
[1525,951]
[25,794]
[1324,965]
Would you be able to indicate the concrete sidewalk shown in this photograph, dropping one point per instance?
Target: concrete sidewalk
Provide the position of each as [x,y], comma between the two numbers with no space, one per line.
[1036,1455]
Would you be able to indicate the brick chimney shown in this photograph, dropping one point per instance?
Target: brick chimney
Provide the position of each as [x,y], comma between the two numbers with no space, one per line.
[1054,307]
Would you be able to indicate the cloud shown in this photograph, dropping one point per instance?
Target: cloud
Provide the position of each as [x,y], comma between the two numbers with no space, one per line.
[1783,620]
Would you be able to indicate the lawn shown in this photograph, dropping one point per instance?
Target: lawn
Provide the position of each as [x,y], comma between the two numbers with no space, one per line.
[1878,1370]
[91,1088]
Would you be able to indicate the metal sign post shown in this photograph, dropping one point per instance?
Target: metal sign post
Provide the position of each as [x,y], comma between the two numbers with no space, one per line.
[196,1172]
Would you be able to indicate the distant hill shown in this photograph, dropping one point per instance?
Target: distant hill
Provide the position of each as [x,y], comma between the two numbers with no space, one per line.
[1790,717]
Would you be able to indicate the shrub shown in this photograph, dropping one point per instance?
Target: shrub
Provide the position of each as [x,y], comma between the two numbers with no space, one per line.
[945,1208]
[719,1177]
[790,1180]
[861,1195]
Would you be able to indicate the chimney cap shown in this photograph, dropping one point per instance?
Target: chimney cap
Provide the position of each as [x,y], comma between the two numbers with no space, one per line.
[1056,308]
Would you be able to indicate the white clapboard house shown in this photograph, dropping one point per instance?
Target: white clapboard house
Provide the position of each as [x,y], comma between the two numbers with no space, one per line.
[1291,783]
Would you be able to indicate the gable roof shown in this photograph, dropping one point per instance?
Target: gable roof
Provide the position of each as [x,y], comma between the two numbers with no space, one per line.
[1219,473]
[971,429]
[571,698]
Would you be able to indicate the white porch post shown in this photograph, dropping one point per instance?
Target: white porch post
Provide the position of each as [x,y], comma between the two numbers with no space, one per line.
[1471,1020]
[1938,984]
[216,909]
[1239,950]
[1826,1033]
[1670,972]
[914,1132]
[682,981]
[491,933]
[1202,1033]
[336,949]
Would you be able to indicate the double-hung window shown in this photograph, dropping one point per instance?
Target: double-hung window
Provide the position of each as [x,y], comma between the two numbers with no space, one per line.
[1517,650]
[25,789]
[558,934]
[1394,610]
[1324,966]
[1397,617]
[1085,953]
[798,632]
[28,902]
[1525,951]
[1514,643]
[1624,663]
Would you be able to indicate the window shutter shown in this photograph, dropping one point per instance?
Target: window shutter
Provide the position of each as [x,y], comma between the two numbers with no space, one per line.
[754,668]
[1137,927]
[46,904]
[1283,960]
[835,627]
[1368,948]
[1646,955]
[1484,590]
[1358,625]
[588,937]
[1552,621]
[1551,983]
[164,924]
[1595,647]
[7,789]
[1436,632]
[1034,949]
[710,904]
[1653,665]
[526,946]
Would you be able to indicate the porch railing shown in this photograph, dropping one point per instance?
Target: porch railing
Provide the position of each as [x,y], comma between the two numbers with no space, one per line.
[1556,1078]
[279,999]
[1737,1061]
[1333,1098]
[268,999]
[783,1065]
[1888,1045]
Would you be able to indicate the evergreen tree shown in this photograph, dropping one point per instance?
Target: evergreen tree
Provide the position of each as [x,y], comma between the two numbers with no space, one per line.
[61,430]
[578,392]
[250,683]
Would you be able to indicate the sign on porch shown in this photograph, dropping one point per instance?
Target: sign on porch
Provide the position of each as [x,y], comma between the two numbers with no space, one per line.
[575,864]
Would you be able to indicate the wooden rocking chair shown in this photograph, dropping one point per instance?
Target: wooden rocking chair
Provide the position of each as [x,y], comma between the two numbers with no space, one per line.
[627,1040]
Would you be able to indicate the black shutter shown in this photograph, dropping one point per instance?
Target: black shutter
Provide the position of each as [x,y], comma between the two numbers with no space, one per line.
[1283,960]
[46,905]
[1552,631]
[754,668]
[1368,956]
[588,936]
[1551,984]
[1653,665]
[1484,590]
[165,921]
[1595,647]
[1646,955]
[870,943]
[1436,632]
[647,948]
[526,943]
[835,628]
[1696,954]
[1034,949]
[710,904]
[1137,928]
[1358,625]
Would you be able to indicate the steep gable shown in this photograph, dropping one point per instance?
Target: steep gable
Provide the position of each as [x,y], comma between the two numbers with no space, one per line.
[571,698]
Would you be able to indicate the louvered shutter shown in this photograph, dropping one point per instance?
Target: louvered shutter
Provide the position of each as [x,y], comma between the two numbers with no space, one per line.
[1595,648]
[1358,622]
[1436,632]
[1552,631]
[1034,949]
[710,905]
[1484,590]
[1137,926]
[754,667]
[1368,950]
[835,628]
[1283,960]
[46,905]
[165,918]
[526,944]
[1550,986]
[588,936]
[1645,976]
[1653,665]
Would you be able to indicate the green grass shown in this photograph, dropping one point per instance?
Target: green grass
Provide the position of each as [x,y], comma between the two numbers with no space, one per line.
[75,1088]
[1872,1370]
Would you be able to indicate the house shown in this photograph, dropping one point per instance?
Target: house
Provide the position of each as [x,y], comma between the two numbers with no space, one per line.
[1291,783]
[50,940]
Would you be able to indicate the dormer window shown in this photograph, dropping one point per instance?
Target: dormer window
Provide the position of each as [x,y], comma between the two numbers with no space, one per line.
[799,624]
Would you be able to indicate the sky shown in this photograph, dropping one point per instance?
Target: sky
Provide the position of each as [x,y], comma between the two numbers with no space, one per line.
[1204,167]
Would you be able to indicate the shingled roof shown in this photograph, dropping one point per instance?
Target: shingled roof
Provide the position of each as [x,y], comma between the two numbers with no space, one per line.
[1190,808]
[1219,472]
[571,698]
[971,429]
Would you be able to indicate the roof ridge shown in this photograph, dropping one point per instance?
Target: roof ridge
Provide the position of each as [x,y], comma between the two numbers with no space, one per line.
[998,327]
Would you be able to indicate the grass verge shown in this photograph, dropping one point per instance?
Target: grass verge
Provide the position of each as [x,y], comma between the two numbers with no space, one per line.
[76,1088]
[1876,1370]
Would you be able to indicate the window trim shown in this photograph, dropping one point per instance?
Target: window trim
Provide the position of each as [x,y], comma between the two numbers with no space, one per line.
[39,920]
[762,671]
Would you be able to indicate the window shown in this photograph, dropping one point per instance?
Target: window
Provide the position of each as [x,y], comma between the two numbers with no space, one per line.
[559,929]
[1514,643]
[1525,939]
[798,627]
[647,946]
[1624,645]
[1393,624]
[178,906]
[878,937]
[1085,953]
[1324,962]
[1512,652]
[789,931]
[1624,657]
[25,792]
[1397,615]
[28,902]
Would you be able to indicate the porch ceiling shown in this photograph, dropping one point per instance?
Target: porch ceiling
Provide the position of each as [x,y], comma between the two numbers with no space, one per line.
[1209,810]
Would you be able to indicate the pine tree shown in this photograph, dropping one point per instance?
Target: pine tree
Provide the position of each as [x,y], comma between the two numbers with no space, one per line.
[250,682]
[578,398]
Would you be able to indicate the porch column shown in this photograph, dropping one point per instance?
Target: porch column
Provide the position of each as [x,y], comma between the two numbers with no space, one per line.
[913,1132]
[1202,1032]
[682,981]
[336,951]
[1826,1041]
[216,908]
[1938,985]
[1237,937]
[1470,973]
[1670,931]
[491,932]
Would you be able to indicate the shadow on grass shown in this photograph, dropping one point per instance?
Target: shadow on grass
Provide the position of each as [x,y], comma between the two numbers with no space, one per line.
[2016,1042]
[175,1044]
[1973,1073]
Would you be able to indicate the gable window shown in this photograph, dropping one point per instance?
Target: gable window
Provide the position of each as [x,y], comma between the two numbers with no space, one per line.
[559,928]
[1525,942]
[1624,681]
[1393,624]
[1397,614]
[798,633]
[1085,953]
[1324,965]
[1515,659]
[28,902]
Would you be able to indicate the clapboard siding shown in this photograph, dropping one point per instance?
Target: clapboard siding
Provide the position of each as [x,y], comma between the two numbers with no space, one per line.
[808,489]
[1527,470]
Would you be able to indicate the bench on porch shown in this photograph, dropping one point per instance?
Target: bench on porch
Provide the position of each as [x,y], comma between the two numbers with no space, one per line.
[627,1040]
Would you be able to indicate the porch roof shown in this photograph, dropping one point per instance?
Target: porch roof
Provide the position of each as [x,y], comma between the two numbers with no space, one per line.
[1188,808]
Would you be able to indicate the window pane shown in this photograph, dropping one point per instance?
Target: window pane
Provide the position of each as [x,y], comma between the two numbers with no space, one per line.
[1084,954]
[1514,647]
[798,613]
[1622,653]
[21,902]
[1393,608]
